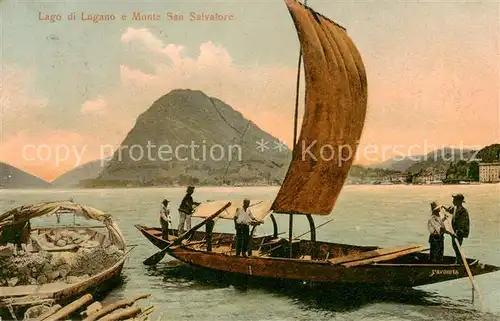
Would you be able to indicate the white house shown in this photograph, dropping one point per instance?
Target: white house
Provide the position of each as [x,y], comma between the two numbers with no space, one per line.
[489,172]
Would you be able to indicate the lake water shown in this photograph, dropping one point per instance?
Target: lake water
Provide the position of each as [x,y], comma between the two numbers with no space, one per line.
[363,215]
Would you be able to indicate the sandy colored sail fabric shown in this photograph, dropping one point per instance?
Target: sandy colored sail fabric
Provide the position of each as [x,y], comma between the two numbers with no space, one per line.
[27,212]
[260,208]
[334,115]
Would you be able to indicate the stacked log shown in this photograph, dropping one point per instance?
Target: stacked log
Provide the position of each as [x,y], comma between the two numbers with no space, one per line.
[120,310]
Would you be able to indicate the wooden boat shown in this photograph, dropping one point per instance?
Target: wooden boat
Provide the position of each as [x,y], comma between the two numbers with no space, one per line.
[88,239]
[335,108]
[333,263]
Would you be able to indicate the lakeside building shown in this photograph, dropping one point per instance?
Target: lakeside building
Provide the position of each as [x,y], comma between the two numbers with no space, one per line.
[430,178]
[489,172]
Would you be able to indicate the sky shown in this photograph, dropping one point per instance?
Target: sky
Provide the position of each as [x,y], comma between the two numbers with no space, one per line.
[70,87]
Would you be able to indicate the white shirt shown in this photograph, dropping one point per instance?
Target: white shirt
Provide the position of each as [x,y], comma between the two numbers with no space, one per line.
[165,213]
[244,216]
[435,224]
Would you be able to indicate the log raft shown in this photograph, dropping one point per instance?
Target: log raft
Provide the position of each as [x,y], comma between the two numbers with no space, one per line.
[91,310]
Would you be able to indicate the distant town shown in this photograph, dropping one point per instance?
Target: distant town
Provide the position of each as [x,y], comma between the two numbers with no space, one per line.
[488,173]
[438,167]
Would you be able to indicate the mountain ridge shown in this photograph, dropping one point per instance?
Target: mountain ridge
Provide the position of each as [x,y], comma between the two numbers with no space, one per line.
[13,177]
[187,118]
[85,171]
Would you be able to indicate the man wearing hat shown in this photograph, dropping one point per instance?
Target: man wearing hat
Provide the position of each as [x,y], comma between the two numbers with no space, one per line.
[436,228]
[242,220]
[165,218]
[460,223]
[185,210]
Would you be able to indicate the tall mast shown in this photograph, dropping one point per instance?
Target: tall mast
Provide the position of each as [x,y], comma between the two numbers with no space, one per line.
[295,125]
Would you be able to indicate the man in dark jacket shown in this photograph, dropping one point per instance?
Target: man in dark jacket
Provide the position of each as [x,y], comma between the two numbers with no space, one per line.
[460,223]
[185,210]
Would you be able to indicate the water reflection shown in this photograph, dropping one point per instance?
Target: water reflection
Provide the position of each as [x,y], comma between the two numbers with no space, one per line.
[333,298]
[339,299]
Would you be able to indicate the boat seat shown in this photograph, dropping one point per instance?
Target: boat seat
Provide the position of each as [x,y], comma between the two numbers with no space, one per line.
[378,255]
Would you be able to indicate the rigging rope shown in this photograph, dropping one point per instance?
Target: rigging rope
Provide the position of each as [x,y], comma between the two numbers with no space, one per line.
[236,130]
[222,116]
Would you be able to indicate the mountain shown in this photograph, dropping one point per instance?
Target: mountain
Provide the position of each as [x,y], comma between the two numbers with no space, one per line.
[397,164]
[440,158]
[11,177]
[489,154]
[86,171]
[187,137]
[366,175]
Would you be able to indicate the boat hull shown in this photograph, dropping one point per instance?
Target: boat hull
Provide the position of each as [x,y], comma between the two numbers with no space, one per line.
[407,271]
[322,272]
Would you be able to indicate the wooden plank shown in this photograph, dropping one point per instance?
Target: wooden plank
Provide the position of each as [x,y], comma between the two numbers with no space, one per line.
[70,308]
[386,257]
[370,254]
[32,290]
[112,307]
[122,314]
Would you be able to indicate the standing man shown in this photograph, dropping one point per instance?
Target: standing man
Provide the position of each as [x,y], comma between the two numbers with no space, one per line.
[460,223]
[185,210]
[242,220]
[165,219]
[436,229]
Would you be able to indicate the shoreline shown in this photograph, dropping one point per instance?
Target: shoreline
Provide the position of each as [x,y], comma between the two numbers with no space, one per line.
[223,186]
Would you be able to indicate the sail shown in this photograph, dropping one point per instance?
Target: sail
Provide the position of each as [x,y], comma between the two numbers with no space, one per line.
[334,115]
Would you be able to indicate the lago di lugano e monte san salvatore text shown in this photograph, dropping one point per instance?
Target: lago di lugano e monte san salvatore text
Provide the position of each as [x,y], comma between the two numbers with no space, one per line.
[136,16]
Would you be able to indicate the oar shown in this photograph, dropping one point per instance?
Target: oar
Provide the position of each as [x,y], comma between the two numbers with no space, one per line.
[157,257]
[469,273]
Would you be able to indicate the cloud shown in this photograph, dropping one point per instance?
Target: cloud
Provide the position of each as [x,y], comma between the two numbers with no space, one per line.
[258,91]
[143,37]
[96,106]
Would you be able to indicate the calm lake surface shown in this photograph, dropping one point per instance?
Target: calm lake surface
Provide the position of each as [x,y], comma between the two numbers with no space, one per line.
[363,215]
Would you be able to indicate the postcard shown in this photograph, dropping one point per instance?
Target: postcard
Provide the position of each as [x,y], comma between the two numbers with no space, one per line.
[249,160]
